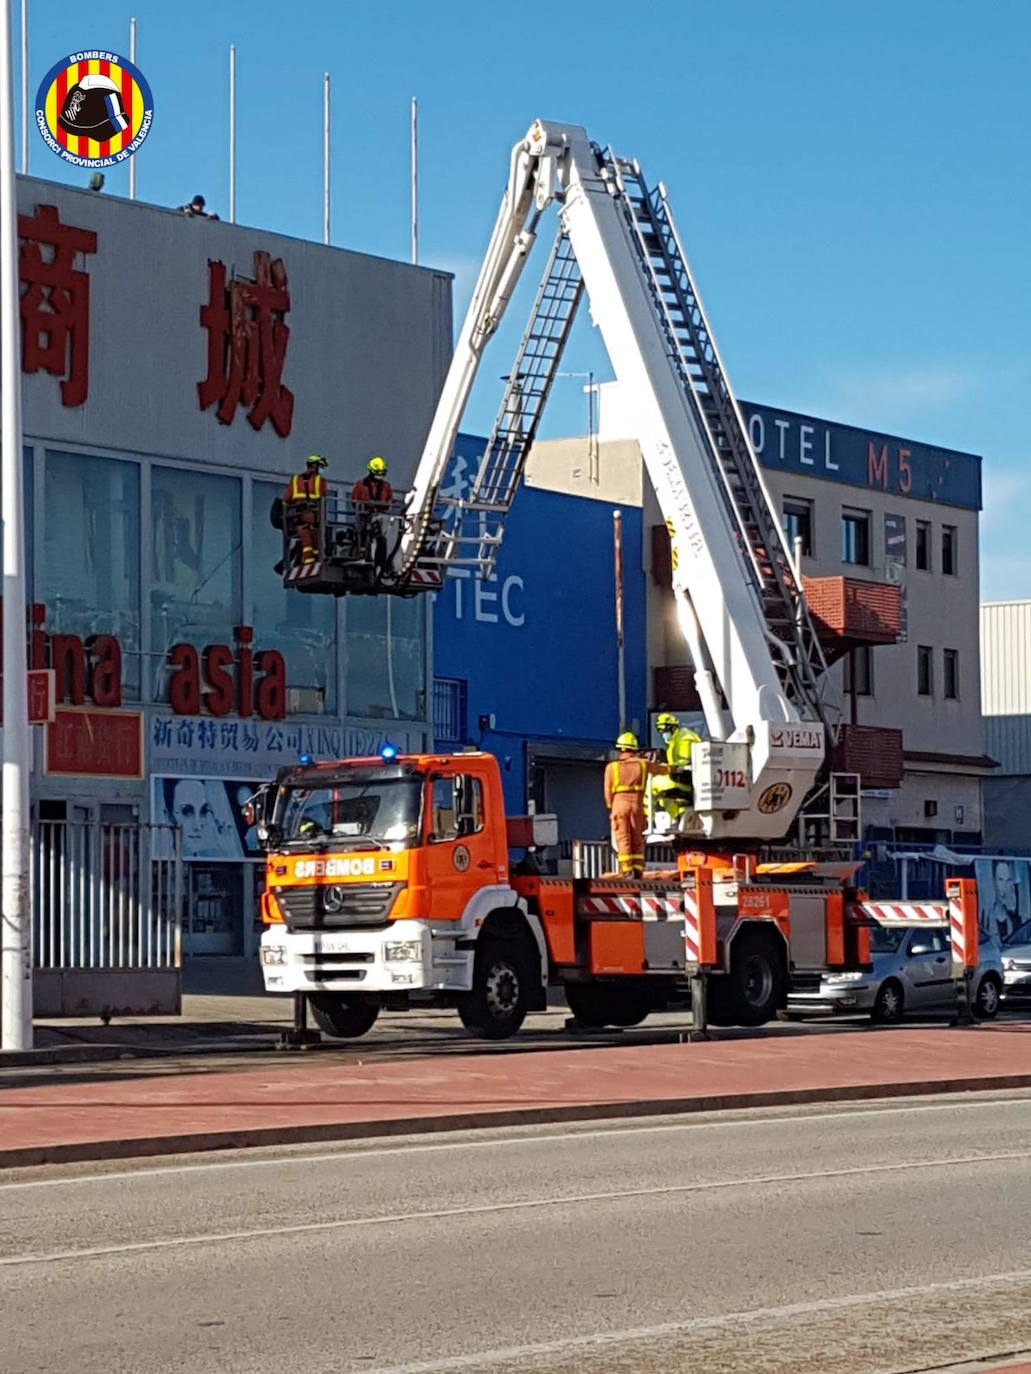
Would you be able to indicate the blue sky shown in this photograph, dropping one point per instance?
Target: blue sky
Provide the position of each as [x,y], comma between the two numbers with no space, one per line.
[850,179]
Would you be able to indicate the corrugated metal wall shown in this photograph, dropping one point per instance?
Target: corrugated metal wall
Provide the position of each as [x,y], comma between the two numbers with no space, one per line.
[1006,683]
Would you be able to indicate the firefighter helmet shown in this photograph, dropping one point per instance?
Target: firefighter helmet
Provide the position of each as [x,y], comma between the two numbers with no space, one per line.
[93,109]
[667,722]
[627,741]
[377,467]
[316,462]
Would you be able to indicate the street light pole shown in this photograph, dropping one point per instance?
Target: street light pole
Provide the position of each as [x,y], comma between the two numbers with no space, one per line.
[15,896]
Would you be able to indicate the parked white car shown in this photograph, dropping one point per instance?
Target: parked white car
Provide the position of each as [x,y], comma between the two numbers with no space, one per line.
[1016,964]
[912,971]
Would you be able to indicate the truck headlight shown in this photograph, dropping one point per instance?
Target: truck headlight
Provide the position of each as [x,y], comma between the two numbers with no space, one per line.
[401,951]
[273,954]
[853,976]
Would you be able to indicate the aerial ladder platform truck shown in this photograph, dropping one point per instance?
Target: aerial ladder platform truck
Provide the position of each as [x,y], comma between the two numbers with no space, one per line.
[390,881]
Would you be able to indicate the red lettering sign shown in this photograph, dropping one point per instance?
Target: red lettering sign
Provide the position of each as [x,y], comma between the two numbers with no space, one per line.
[247,340]
[877,466]
[219,679]
[55,302]
[40,691]
[96,744]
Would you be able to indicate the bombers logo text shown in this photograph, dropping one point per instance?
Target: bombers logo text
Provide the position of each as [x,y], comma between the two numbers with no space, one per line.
[94,109]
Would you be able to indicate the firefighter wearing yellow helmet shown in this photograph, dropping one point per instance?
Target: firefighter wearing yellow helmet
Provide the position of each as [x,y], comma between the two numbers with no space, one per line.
[304,504]
[372,496]
[626,778]
[674,794]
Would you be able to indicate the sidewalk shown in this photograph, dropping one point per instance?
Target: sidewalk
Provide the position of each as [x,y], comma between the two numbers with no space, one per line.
[308,1100]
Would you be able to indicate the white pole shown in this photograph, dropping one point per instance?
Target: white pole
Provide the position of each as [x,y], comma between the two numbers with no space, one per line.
[415,180]
[325,158]
[132,59]
[15,898]
[232,133]
[24,87]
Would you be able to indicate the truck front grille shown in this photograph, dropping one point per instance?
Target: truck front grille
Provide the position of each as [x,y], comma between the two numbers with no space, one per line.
[338,907]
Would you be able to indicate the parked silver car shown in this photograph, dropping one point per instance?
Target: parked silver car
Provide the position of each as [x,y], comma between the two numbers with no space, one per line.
[912,971]
[1016,964]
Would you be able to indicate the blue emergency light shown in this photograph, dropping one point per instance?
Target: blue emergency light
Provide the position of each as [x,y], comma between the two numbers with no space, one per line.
[305,760]
[388,752]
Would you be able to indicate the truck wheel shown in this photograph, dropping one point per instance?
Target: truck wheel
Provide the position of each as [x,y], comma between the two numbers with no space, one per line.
[500,997]
[603,1004]
[344,1017]
[755,985]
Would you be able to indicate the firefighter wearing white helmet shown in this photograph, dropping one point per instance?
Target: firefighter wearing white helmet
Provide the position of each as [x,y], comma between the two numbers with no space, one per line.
[625,781]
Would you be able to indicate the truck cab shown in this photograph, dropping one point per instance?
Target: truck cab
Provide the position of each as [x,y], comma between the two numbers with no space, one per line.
[386,880]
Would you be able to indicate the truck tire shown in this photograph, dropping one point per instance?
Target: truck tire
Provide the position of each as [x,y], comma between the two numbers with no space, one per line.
[344,1017]
[500,997]
[755,988]
[607,1004]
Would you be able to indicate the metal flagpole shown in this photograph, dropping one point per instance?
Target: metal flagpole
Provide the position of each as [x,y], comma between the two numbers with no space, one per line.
[325,158]
[617,549]
[15,897]
[415,180]
[232,133]
[132,59]
[24,87]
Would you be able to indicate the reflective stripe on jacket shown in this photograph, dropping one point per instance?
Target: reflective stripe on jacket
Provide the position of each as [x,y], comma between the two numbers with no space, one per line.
[625,775]
[305,488]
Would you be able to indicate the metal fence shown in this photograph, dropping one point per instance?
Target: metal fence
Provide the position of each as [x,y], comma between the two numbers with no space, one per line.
[107,895]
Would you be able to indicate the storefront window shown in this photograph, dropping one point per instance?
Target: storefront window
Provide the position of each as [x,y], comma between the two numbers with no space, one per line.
[195,586]
[386,657]
[90,573]
[302,628]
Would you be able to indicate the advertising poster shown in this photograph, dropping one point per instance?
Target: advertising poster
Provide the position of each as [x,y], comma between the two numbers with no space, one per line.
[1003,895]
[207,810]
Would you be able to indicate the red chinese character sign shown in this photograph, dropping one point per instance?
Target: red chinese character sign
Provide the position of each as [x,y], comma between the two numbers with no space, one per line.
[55,301]
[247,341]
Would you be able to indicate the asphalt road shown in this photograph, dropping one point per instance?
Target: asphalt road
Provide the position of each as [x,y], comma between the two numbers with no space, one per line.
[875,1238]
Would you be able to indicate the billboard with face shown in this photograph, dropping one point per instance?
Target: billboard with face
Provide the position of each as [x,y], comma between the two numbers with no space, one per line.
[1003,895]
[207,811]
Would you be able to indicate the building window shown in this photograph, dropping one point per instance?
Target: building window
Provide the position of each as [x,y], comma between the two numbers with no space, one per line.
[949,550]
[862,658]
[195,578]
[855,537]
[951,682]
[90,574]
[386,657]
[450,710]
[923,545]
[924,670]
[302,628]
[797,520]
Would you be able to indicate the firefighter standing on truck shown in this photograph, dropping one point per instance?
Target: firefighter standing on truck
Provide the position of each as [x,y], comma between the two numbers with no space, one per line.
[372,498]
[625,781]
[675,794]
[302,509]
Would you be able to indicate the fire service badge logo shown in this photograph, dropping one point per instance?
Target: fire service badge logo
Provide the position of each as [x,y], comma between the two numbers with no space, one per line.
[94,109]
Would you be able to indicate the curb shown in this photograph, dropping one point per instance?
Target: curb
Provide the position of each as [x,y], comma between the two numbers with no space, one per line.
[62,1054]
[256,1136]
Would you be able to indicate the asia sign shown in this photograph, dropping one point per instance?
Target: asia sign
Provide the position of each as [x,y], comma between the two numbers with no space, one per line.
[789,442]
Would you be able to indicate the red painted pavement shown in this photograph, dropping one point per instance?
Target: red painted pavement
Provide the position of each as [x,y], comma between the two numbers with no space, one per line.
[309,1098]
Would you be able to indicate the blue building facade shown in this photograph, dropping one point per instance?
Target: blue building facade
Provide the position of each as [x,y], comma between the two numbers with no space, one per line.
[525,666]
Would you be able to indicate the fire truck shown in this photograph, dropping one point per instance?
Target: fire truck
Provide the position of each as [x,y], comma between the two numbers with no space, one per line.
[390,881]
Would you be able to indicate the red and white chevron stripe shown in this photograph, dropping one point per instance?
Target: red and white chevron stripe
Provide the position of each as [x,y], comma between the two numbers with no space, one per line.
[661,906]
[623,905]
[957,934]
[303,571]
[692,928]
[425,577]
[904,913]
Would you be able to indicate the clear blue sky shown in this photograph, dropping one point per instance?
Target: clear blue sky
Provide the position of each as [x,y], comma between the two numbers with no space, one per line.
[850,179]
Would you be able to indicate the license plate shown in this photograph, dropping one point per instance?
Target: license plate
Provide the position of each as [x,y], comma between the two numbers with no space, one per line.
[328,945]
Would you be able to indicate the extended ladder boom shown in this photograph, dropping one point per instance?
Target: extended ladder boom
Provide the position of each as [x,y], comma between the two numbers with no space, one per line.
[758,663]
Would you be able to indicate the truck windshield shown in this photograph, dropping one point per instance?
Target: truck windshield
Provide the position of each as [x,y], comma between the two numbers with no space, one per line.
[353,814]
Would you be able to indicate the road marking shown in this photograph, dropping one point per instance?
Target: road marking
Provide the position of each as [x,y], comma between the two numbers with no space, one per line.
[487,1208]
[356,1150]
[490,1359]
